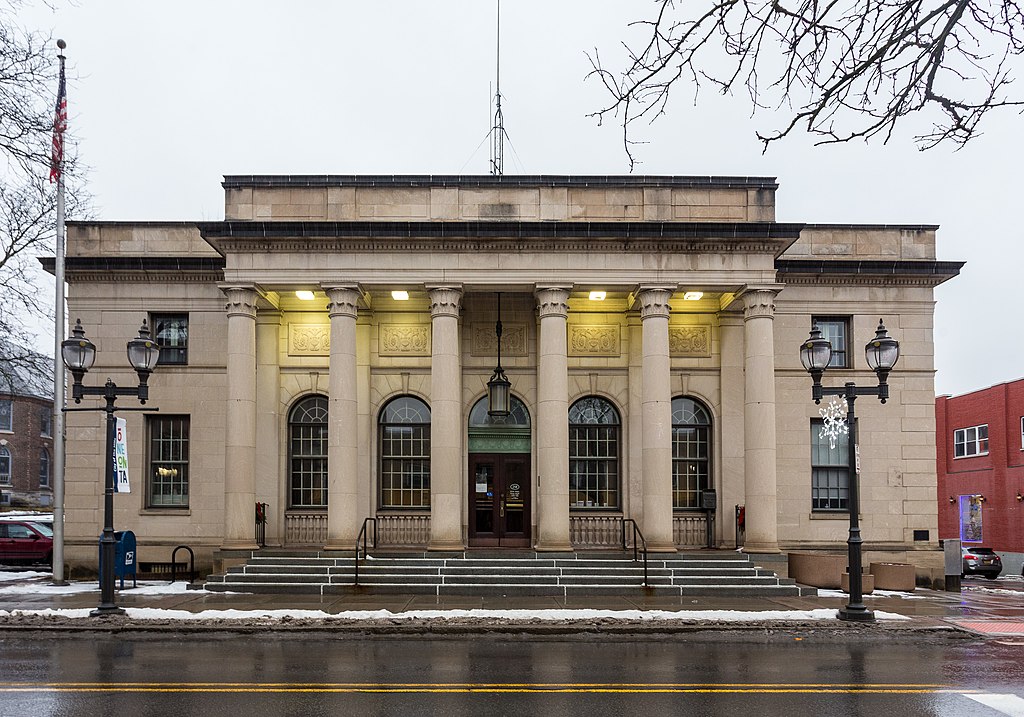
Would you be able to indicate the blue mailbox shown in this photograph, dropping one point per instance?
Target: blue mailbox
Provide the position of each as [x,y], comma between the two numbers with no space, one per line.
[125,556]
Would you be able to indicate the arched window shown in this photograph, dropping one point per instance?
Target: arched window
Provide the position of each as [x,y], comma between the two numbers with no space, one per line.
[307,452]
[5,466]
[518,416]
[691,442]
[44,468]
[593,454]
[405,454]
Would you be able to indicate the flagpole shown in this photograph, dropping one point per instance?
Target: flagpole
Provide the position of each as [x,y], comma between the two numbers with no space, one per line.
[58,372]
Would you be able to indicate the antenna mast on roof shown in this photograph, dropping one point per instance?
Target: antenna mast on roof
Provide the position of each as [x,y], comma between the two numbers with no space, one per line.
[498,128]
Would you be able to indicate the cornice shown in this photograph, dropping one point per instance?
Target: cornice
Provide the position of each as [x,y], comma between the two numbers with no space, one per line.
[867,272]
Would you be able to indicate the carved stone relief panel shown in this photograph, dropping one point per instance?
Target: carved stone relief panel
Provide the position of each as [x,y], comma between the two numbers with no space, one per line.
[594,340]
[404,340]
[689,341]
[309,339]
[483,342]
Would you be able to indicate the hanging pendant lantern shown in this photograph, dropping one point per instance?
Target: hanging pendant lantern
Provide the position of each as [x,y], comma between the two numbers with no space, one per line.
[499,388]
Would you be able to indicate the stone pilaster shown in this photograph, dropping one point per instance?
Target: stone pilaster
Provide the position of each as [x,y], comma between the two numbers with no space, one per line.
[446,494]
[342,420]
[759,419]
[730,427]
[240,435]
[268,440]
[656,408]
[553,420]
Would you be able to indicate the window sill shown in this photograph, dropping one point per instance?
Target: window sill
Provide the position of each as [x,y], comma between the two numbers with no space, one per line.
[843,515]
[973,455]
[184,510]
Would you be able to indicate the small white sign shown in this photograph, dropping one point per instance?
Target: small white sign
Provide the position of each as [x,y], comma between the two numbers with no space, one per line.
[856,452]
[121,484]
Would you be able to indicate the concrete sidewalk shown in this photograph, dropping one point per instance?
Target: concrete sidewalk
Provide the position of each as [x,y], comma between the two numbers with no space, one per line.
[986,607]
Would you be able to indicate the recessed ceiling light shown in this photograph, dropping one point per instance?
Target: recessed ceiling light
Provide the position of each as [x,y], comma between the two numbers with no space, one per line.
[597,295]
[305,295]
[693,295]
[400,295]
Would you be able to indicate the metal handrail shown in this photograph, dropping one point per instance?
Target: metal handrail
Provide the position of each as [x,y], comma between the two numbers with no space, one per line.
[638,539]
[363,539]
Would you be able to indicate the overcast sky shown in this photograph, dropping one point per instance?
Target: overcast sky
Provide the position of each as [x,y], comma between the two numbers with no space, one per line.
[165,99]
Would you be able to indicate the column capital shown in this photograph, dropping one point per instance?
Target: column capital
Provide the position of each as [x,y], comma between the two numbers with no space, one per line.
[241,300]
[343,298]
[552,300]
[654,301]
[445,300]
[759,301]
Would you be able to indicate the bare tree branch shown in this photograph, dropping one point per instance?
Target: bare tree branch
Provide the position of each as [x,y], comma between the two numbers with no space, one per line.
[842,69]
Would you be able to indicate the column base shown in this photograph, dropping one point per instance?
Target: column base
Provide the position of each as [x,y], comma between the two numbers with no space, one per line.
[346,546]
[448,546]
[550,547]
[239,545]
[767,548]
[653,547]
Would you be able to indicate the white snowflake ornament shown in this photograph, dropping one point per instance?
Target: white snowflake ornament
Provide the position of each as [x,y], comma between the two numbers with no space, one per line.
[834,418]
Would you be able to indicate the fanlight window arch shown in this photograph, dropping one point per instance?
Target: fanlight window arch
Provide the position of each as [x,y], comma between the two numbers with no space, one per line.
[404,440]
[307,453]
[518,417]
[691,451]
[593,454]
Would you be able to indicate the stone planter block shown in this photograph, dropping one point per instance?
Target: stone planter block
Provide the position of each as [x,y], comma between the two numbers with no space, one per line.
[867,583]
[819,570]
[894,576]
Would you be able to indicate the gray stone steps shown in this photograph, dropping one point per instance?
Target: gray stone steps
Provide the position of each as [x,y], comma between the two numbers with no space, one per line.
[520,573]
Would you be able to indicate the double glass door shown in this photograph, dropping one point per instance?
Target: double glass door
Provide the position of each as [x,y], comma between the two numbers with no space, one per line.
[499,500]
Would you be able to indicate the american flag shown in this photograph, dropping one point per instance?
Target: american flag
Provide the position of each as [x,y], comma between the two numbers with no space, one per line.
[60,124]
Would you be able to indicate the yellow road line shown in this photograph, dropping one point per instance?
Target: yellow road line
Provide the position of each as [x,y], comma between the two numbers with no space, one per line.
[532,685]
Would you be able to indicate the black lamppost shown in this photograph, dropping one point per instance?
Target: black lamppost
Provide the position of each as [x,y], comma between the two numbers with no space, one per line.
[79,353]
[882,353]
[498,387]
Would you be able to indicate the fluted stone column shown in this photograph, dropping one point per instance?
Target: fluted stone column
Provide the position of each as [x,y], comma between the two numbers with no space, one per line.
[656,407]
[240,435]
[759,419]
[445,419]
[553,420]
[342,420]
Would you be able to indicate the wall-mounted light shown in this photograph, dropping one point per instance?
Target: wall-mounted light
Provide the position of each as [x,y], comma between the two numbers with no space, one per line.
[981,498]
[400,295]
[597,295]
[1019,497]
[952,500]
[305,295]
[693,296]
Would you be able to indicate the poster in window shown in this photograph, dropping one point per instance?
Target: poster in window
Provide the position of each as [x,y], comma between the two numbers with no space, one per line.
[970,518]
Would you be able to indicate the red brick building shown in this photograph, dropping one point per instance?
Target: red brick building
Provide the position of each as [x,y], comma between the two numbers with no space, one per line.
[980,464]
[26,430]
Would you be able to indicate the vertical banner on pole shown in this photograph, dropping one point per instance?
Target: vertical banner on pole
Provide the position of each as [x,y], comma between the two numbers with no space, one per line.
[121,484]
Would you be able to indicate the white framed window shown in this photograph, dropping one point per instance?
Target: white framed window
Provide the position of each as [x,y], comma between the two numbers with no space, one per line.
[836,329]
[44,468]
[6,415]
[46,422]
[5,466]
[971,441]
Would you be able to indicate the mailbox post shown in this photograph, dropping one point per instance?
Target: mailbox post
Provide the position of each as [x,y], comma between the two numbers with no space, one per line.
[709,504]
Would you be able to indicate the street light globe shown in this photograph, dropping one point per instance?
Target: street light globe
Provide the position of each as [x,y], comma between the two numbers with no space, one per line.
[883,351]
[143,353]
[816,351]
[78,352]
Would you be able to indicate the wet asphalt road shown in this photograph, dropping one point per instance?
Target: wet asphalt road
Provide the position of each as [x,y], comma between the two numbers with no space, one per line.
[317,674]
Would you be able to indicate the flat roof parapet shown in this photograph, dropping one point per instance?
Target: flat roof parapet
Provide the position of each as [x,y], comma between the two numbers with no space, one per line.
[487,180]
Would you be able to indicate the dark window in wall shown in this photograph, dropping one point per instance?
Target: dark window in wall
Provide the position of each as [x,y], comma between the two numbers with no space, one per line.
[830,471]
[171,334]
[6,415]
[5,466]
[593,454]
[44,468]
[404,434]
[46,421]
[971,441]
[307,453]
[168,461]
[691,449]
[837,330]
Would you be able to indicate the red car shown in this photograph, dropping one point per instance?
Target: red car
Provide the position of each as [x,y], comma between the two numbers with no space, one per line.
[24,541]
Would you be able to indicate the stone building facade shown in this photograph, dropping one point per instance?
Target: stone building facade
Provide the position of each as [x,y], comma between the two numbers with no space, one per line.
[292,375]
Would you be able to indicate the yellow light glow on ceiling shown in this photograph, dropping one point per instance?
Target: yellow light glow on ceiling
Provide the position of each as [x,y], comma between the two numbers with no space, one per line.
[693,295]
[597,295]
[305,295]
[400,295]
